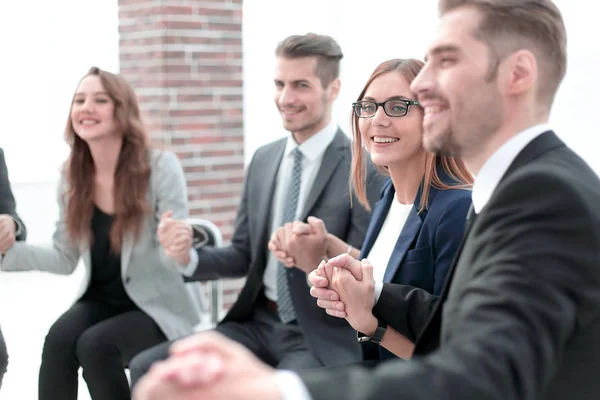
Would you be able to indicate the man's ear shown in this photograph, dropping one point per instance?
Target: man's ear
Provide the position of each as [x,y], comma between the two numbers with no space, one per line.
[522,72]
[334,89]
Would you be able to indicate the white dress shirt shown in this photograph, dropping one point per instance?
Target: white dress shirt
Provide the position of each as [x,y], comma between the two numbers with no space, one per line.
[312,151]
[380,253]
[290,384]
[382,249]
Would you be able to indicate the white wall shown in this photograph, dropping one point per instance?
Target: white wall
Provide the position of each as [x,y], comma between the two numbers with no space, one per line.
[47,46]
[403,30]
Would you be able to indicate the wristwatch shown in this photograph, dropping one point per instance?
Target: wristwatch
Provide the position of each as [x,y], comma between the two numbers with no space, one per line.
[377,337]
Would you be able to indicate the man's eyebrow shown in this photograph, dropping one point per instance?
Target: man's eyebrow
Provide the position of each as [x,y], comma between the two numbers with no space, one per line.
[444,48]
[294,82]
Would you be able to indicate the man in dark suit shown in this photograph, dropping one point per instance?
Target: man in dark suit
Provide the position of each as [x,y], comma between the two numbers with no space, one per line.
[286,330]
[519,316]
[11,229]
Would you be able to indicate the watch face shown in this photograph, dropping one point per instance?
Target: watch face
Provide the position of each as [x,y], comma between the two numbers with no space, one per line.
[362,338]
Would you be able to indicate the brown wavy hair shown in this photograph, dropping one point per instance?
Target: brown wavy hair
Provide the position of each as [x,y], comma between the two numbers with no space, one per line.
[454,167]
[132,173]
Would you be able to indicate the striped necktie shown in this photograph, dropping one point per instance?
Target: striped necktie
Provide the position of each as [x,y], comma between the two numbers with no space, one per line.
[290,204]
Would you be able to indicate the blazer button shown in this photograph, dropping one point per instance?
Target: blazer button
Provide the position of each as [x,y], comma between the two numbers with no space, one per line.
[127,280]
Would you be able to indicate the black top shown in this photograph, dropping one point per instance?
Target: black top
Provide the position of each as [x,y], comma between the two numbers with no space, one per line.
[106,284]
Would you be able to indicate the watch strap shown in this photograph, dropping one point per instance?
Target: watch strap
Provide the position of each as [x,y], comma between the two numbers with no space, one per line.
[377,336]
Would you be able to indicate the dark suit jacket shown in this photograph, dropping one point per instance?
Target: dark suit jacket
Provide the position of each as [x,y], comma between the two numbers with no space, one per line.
[428,241]
[520,315]
[332,340]
[7,200]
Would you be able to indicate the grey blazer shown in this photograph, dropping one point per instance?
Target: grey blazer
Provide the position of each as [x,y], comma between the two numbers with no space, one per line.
[151,278]
[332,340]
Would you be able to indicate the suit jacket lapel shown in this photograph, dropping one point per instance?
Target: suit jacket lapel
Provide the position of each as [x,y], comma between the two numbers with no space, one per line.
[126,250]
[269,169]
[541,144]
[468,224]
[380,212]
[409,232]
[331,158]
[429,338]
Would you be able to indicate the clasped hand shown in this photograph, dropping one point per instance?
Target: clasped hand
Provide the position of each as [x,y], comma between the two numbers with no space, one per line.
[301,245]
[8,229]
[345,288]
[176,237]
[208,365]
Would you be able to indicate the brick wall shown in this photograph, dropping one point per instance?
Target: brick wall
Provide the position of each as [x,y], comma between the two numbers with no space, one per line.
[184,59]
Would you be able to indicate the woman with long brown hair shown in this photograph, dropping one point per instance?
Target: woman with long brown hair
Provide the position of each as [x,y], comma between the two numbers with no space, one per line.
[113,190]
[417,225]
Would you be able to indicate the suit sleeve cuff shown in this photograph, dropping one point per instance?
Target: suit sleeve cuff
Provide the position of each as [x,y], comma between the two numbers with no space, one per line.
[19,230]
[291,386]
[188,270]
[378,289]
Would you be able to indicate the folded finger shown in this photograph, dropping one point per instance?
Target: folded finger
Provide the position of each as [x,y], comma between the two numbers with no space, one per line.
[336,313]
[300,228]
[325,294]
[318,281]
[289,262]
[332,305]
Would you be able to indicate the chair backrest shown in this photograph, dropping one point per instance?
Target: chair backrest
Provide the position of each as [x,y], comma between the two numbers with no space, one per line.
[207,233]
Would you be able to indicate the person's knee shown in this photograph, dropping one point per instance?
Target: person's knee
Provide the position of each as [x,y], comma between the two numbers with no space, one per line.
[138,366]
[3,360]
[92,346]
[57,344]
[141,363]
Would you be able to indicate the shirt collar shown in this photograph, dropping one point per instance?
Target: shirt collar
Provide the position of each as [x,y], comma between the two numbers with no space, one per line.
[494,168]
[315,145]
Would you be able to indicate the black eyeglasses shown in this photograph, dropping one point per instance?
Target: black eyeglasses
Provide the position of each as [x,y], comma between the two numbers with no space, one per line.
[392,108]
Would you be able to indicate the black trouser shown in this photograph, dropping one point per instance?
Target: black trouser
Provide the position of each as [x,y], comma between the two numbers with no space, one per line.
[3,358]
[102,340]
[276,344]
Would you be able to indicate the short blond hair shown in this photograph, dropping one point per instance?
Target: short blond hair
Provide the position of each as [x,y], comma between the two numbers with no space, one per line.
[326,50]
[510,25]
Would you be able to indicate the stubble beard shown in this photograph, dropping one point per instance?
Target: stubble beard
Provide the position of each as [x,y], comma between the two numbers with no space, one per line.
[441,143]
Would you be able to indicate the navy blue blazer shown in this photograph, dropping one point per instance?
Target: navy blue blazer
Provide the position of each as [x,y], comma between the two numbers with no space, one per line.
[428,241]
